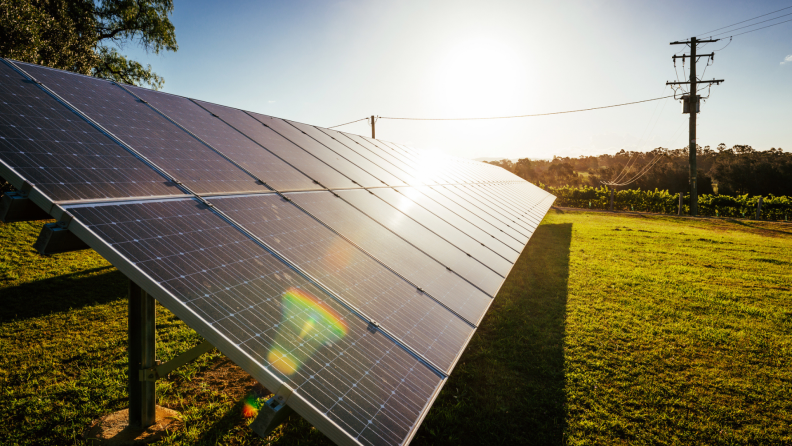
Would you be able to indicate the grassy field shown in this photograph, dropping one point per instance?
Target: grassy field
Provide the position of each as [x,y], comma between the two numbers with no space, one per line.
[611,329]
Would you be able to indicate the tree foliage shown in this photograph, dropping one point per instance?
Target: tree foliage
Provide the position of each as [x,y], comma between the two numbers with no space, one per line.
[85,36]
[737,170]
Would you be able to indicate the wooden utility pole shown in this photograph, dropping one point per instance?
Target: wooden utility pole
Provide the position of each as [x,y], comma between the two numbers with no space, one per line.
[693,105]
[373,134]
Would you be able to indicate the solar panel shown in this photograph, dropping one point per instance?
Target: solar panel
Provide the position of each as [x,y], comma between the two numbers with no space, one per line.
[62,154]
[487,224]
[224,138]
[269,319]
[425,325]
[420,196]
[465,243]
[333,140]
[382,158]
[318,261]
[135,123]
[404,258]
[432,244]
[315,168]
[319,150]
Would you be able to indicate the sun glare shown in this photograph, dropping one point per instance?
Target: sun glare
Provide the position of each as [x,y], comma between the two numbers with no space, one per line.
[479,76]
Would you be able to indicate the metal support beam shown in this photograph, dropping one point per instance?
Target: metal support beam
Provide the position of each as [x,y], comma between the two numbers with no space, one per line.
[273,412]
[162,370]
[142,346]
[56,237]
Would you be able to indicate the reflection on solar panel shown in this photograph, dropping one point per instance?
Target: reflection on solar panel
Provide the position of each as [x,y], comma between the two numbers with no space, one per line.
[345,274]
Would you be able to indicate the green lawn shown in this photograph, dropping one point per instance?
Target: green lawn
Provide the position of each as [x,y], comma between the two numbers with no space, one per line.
[611,329]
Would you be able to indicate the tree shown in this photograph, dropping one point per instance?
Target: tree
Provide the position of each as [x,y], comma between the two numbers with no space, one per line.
[85,36]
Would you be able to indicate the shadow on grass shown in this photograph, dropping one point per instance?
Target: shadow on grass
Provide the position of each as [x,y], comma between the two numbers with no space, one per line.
[508,387]
[62,293]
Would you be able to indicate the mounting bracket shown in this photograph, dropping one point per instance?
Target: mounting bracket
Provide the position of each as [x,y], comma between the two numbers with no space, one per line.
[56,237]
[17,206]
[273,412]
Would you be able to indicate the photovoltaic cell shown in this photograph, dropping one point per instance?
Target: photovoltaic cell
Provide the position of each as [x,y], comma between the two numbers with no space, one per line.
[417,195]
[317,149]
[381,158]
[270,316]
[399,307]
[62,154]
[476,206]
[315,168]
[135,123]
[482,222]
[425,174]
[427,218]
[444,252]
[405,259]
[493,207]
[225,139]
[332,139]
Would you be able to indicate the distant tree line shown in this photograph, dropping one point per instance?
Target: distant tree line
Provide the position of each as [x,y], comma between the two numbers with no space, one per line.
[738,170]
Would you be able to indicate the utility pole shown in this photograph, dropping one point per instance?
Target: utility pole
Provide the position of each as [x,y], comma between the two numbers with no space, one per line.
[373,134]
[692,103]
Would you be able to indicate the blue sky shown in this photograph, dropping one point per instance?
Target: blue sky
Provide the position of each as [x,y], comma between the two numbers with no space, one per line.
[330,62]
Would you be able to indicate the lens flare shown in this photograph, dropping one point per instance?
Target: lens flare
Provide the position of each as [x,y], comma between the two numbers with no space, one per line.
[250,406]
[306,325]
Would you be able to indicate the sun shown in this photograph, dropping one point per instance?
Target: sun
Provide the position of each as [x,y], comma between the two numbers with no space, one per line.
[480,76]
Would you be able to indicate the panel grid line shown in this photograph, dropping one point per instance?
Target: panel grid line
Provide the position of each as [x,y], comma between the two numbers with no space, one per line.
[96,125]
[161,113]
[419,249]
[321,286]
[375,258]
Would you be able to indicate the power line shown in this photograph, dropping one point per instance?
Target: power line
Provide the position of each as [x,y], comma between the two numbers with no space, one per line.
[729,26]
[752,24]
[757,29]
[528,116]
[339,125]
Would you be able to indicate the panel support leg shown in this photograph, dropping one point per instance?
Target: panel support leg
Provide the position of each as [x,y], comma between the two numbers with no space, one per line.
[142,344]
[273,412]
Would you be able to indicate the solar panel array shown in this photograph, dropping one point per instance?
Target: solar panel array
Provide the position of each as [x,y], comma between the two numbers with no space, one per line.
[354,270]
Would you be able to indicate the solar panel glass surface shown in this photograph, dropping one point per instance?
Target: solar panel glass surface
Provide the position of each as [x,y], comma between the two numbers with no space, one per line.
[484,222]
[62,154]
[494,206]
[332,139]
[319,150]
[444,252]
[228,141]
[145,130]
[381,158]
[475,205]
[417,195]
[270,318]
[420,269]
[315,168]
[454,236]
[423,324]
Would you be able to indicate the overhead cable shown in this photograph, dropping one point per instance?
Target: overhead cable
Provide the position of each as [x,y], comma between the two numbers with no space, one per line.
[527,116]
[757,29]
[729,26]
[339,125]
[752,24]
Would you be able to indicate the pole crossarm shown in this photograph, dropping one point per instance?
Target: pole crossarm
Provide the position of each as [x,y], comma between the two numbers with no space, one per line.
[685,56]
[713,81]
[697,41]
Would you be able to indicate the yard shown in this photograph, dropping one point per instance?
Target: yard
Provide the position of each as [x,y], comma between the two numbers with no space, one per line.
[611,328]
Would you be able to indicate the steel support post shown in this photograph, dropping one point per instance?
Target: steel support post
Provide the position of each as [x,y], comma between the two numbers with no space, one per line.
[142,344]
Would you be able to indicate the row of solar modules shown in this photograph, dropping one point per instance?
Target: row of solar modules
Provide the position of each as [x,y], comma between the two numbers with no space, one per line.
[229,217]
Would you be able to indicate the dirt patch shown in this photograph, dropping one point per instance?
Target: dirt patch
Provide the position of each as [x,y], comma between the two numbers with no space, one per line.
[226,377]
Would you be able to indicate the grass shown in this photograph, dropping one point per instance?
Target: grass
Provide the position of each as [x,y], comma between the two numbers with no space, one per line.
[611,329]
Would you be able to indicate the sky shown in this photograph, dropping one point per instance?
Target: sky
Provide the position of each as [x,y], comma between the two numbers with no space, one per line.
[330,62]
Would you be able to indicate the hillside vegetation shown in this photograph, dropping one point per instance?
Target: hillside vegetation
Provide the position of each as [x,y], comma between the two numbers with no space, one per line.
[611,329]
